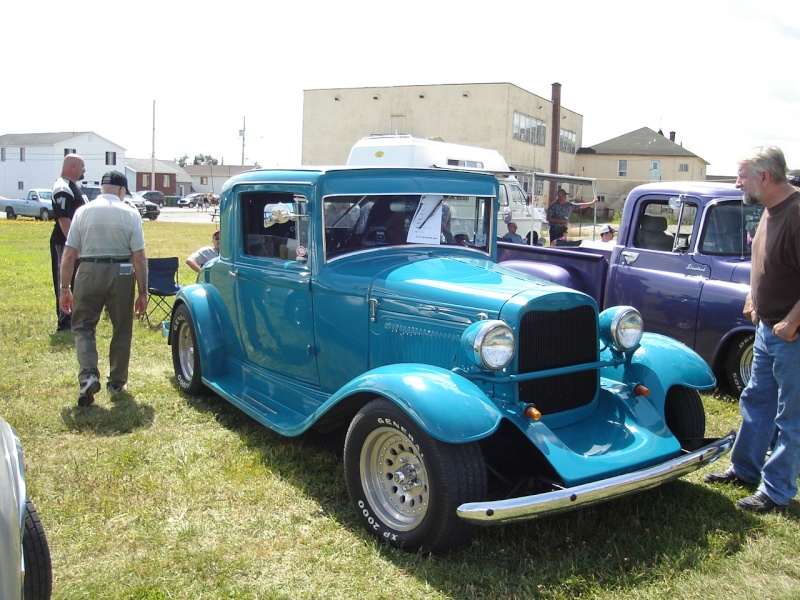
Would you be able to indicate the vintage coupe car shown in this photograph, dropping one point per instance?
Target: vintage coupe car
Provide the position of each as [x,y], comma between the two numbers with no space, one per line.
[25,567]
[370,299]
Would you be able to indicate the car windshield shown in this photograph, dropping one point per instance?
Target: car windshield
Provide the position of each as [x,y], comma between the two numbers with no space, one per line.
[354,223]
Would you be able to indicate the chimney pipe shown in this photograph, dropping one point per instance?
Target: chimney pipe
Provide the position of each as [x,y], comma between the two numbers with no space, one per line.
[555,134]
[671,136]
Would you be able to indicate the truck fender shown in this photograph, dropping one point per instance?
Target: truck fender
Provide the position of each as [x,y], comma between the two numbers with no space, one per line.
[660,363]
[207,326]
[548,272]
[445,405]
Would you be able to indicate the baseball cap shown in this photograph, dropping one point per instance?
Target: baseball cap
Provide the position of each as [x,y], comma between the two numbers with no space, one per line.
[215,234]
[607,229]
[116,178]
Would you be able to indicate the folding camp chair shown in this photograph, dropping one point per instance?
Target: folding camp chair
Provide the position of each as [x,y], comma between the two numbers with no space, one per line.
[162,284]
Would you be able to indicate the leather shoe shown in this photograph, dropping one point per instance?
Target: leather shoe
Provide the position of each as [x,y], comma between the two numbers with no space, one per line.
[760,503]
[727,476]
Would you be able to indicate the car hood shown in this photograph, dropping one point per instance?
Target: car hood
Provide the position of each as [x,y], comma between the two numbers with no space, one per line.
[461,284]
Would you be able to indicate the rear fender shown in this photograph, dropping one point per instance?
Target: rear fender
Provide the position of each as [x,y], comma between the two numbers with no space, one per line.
[198,299]
[446,406]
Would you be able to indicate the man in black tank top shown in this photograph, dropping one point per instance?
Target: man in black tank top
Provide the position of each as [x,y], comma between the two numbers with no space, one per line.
[67,197]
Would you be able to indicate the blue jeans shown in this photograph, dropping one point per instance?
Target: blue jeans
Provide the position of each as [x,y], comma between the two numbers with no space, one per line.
[770,405]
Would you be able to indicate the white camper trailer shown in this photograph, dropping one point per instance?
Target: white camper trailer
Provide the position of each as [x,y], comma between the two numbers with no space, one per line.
[408,151]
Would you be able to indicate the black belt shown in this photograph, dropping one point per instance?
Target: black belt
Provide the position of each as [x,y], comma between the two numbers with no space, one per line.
[106,260]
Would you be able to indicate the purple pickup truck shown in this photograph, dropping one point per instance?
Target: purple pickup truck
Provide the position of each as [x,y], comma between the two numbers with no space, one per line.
[682,258]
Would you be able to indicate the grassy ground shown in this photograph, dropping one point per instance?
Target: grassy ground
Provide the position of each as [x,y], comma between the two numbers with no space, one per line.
[159,495]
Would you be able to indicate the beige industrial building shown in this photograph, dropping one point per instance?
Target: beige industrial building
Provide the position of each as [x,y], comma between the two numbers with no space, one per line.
[532,133]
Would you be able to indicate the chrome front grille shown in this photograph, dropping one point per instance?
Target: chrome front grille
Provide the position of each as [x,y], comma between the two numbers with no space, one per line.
[551,339]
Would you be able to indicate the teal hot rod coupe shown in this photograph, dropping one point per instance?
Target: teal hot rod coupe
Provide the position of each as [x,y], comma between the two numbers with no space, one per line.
[370,299]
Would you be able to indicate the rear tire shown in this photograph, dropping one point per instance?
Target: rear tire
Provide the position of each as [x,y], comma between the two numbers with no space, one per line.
[36,553]
[44,215]
[185,357]
[10,215]
[739,365]
[684,413]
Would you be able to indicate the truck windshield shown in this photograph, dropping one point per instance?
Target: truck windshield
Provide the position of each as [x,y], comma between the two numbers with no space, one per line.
[356,223]
[729,229]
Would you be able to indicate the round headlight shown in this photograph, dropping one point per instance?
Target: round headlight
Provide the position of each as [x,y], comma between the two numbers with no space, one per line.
[494,345]
[626,328]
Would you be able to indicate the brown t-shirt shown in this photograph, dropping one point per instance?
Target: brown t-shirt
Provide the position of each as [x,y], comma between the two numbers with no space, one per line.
[775,274]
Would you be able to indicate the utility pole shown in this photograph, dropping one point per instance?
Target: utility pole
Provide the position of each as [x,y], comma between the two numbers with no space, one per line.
[241,133]
[153,153]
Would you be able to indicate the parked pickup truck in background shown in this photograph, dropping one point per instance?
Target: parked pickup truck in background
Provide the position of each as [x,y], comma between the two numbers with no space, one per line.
[472,394]
[682,258]
[38,204]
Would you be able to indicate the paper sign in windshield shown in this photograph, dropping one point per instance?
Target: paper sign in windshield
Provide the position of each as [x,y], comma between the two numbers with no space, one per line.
[426,225]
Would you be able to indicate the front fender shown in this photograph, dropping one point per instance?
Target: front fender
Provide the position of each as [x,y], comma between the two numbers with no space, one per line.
[198,299]
[660,363]
[447,406]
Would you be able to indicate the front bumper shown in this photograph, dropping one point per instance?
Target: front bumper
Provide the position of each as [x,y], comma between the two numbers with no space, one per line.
[549,503]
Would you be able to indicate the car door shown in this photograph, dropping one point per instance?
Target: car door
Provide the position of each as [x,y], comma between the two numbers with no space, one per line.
[273,287]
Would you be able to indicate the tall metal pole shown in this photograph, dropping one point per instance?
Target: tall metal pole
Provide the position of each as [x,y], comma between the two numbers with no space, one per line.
[153,153]
[243,131]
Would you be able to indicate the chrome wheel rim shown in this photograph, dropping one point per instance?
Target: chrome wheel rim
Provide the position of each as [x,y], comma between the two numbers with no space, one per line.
[395,479]
[186,351]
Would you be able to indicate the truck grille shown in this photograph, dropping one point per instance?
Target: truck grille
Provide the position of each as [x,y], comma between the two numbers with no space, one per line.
[551,339]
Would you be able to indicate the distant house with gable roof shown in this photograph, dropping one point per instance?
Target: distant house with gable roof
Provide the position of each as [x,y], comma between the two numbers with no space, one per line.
[34,160]
[641,156]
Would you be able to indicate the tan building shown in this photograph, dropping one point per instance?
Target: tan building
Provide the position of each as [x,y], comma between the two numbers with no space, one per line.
[500,116]
[641,156]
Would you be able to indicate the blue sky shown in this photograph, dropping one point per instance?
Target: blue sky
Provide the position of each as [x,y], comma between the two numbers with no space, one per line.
[722,75]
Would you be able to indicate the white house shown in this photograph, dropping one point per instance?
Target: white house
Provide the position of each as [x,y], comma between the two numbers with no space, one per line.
[33,160]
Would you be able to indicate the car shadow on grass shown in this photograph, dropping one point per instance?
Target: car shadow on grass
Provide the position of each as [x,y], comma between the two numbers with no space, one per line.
[620,544]
[109,416]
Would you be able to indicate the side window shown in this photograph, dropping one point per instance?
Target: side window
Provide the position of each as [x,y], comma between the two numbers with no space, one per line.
[269,231]
[652,230]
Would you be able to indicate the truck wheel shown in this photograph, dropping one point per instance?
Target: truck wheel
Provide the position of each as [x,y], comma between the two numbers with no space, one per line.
[740,363]
[10,213]
[153,217]
[36,553]
[684,413]
[404,484]
[44,215]
[185,360]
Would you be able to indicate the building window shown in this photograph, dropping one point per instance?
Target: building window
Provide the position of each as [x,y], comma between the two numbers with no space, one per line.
[601,198]
[683,168]
[20,185]
[22,155]
[567,141]
[166,182]
[623,168]
[204,181]
[111,158]
[146,180]
[2,155]
[70,151]
[529,129]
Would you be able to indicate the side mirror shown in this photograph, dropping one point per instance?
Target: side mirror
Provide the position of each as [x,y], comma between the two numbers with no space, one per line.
[675,202]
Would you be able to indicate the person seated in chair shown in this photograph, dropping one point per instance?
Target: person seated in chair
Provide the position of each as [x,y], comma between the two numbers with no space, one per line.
[512,235]
[200,257]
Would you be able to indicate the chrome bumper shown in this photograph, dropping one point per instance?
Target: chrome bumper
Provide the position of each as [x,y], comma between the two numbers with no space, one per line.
[549,503]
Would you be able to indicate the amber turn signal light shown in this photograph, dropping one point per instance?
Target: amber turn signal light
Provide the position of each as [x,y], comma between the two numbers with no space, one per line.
[532,412]
[640,390]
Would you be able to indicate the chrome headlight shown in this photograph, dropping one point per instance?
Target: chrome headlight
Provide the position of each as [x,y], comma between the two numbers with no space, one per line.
[489,344]
[621,328]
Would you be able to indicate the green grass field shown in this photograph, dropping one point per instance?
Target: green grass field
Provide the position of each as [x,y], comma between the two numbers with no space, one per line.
[159,495]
